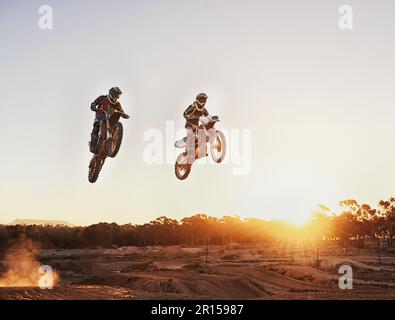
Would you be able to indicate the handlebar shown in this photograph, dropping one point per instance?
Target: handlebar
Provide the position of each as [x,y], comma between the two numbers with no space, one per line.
[110,112]
[211,119]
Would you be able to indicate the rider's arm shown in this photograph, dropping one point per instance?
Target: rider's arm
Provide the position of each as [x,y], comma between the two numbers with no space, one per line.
[95,103]
[119,108]
[189,112]
[205,118]
[124,115]
[93,106]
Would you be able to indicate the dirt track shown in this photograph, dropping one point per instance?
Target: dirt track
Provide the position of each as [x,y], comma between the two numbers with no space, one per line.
[181,273]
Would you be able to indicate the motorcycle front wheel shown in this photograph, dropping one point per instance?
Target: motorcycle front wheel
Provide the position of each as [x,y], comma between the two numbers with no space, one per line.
[116,140]
[218,147]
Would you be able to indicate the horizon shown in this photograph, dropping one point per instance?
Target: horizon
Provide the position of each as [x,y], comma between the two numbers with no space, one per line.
[295,224]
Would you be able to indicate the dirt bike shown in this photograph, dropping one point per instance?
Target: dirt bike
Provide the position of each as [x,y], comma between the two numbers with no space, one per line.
[109,142]
[206,133]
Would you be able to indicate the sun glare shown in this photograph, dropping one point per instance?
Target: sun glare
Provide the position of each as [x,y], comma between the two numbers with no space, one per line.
[298,220]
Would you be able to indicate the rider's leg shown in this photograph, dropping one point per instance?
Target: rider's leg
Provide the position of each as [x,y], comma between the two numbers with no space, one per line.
[190,144]
[94,136]
[201,143]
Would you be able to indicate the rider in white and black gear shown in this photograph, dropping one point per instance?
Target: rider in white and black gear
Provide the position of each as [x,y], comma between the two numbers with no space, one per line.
[192,116]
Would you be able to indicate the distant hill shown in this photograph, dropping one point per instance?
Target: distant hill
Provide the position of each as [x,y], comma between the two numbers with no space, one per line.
[40,222]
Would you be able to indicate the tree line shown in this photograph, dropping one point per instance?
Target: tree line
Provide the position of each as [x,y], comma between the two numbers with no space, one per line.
[355,221]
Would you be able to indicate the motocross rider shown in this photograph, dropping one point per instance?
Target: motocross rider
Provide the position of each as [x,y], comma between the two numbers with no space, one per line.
[100,105]
[193,114]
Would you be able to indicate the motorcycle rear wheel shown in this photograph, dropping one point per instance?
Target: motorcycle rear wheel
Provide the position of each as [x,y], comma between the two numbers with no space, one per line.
[94,169]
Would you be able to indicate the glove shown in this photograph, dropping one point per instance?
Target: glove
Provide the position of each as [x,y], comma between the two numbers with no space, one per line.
[125,116]
[204,120]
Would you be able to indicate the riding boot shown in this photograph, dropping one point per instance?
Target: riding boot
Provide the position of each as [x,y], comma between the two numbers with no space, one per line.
[94,138]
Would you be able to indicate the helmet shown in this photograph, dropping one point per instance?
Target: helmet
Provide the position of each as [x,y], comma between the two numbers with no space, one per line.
[113,94]
[201,99]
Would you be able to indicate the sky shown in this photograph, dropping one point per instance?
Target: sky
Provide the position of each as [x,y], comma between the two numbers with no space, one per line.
[317,101]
